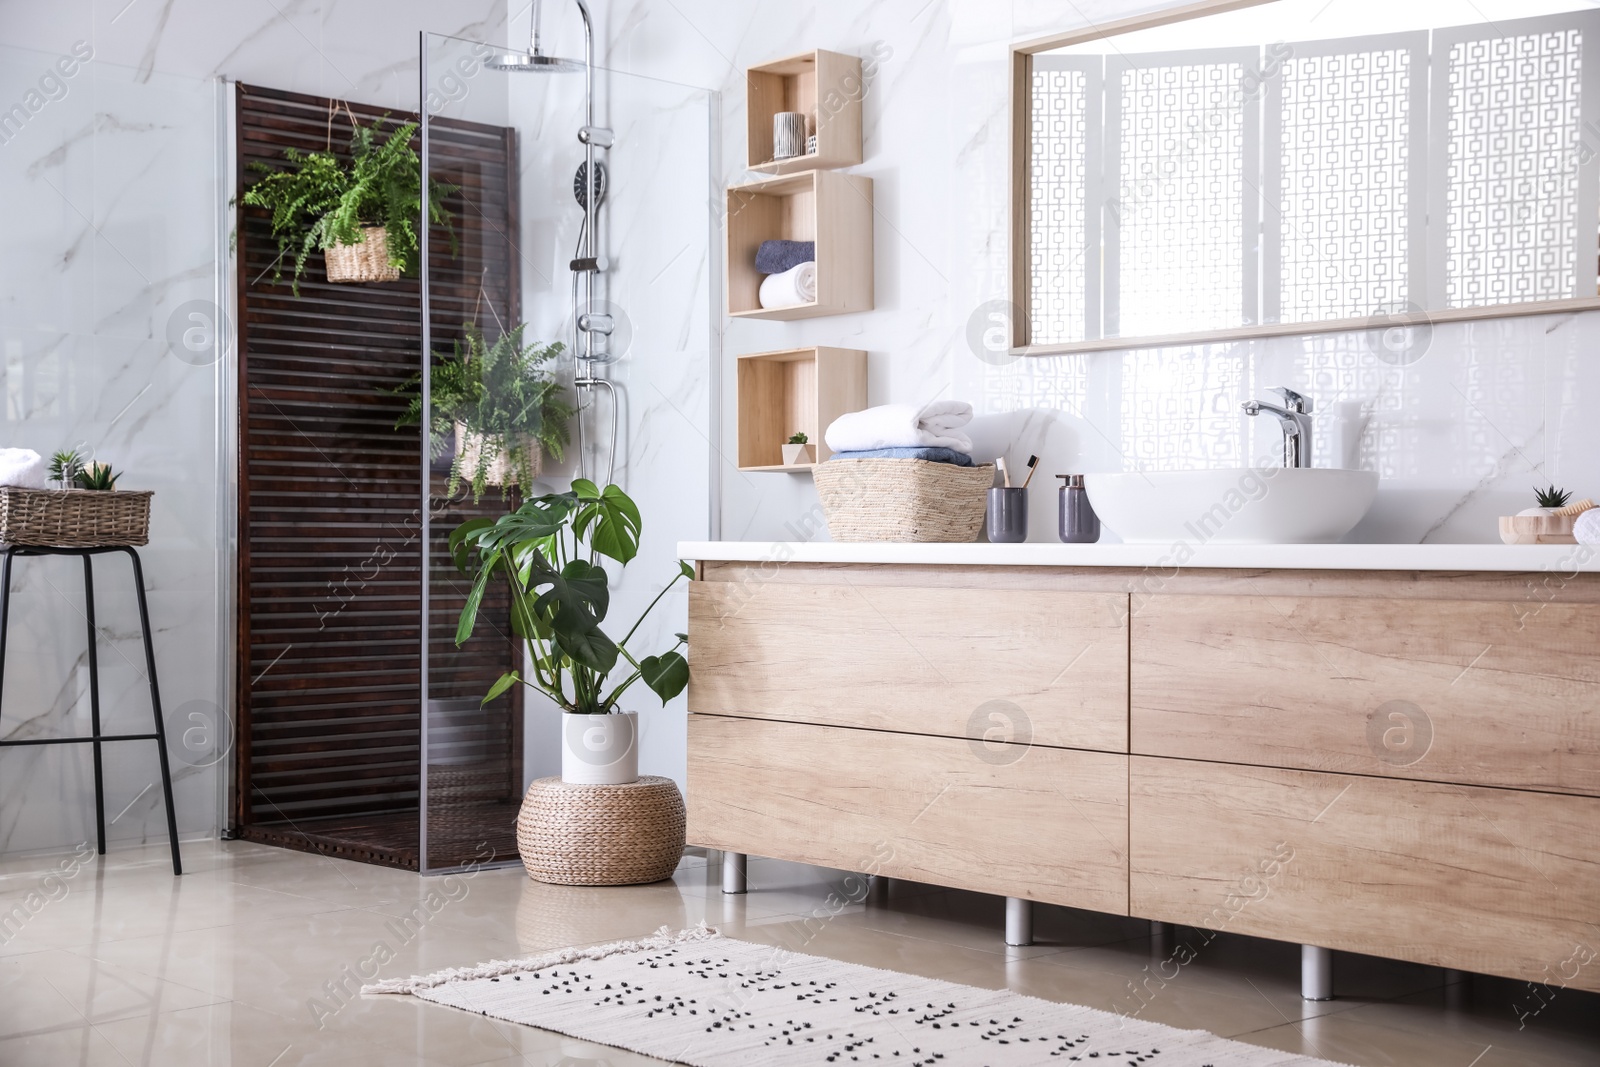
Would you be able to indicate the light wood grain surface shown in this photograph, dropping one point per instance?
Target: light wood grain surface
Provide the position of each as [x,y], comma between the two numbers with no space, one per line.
[1494,881]
[1040,667]
[1045,824]
[1455,691]
[828,207]
[1525,594]
[824,85]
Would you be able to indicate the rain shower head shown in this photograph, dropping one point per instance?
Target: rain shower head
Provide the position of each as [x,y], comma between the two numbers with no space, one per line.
[537,64]
[535,60]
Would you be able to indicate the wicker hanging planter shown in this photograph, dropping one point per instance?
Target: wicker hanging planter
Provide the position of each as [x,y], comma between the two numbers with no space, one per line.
[74,518]
[502,471]
[365,262]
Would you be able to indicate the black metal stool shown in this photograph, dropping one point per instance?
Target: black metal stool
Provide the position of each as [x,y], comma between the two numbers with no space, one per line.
[10,552]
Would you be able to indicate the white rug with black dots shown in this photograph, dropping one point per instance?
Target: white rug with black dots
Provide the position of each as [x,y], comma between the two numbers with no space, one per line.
[699,998]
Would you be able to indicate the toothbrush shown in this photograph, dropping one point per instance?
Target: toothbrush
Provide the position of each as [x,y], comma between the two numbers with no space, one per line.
[1033,465]
[1004,472]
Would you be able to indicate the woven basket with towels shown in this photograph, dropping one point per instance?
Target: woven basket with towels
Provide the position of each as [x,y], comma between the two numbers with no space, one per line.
[902,499]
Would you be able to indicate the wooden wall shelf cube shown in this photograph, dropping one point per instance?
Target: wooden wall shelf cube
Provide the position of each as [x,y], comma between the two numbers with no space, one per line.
[832,209]
[826,87]
[797,389]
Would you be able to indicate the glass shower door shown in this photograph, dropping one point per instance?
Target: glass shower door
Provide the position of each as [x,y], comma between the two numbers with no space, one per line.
[501,312]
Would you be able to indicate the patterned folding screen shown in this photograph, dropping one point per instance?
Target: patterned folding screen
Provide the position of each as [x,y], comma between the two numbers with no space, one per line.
[1184,146]
[1511,102]
[1345,129]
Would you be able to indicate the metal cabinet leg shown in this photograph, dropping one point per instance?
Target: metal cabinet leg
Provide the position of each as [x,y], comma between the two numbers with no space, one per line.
[878,891]
[733,864]
[1161,937]
[1316,973]
[1457,990]
[1019,921]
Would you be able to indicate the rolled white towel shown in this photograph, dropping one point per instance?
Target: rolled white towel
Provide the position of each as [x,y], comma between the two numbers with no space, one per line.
[795,286]
[934,425]
[22,467]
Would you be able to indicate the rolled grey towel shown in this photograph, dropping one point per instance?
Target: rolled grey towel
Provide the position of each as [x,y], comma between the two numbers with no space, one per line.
[775,257]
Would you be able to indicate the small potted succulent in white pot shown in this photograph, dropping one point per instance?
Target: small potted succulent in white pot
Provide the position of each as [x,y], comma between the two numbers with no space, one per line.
[798,450]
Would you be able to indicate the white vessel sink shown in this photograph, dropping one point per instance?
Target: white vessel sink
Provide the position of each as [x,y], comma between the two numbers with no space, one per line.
[1238,506]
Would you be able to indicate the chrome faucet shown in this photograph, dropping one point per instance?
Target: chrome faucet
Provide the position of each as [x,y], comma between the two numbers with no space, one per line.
[1295,418]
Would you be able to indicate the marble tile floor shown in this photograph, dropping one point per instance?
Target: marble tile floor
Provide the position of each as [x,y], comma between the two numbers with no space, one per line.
[252,960]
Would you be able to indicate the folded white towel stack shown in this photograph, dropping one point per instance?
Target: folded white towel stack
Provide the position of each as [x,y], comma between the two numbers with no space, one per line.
[22,467]
[795,286]
[935,425]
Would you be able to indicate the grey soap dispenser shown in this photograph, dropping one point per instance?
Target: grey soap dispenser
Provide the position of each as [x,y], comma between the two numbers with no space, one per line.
[1079,525]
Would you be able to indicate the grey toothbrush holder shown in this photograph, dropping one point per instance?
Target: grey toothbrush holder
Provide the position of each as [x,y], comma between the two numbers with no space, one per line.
[1007,517]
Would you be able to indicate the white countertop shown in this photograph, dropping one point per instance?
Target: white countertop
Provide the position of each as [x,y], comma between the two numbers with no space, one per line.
[1559,559]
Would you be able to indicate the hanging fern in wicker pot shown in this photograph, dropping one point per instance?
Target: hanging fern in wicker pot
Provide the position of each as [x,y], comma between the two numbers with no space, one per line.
[498,404]
[362,216]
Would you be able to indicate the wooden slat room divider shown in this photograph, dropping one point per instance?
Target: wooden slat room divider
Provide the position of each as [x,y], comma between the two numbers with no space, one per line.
[330,503]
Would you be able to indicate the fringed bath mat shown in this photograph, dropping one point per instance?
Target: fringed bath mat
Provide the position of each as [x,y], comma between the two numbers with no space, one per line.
[699,998]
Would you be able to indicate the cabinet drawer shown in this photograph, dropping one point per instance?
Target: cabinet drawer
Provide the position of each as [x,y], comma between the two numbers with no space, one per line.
[1041,823]
[1489,880]
[1019,665]
[1477,692]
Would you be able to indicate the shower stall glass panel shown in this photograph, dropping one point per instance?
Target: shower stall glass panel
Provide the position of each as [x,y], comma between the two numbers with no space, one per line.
[616,306]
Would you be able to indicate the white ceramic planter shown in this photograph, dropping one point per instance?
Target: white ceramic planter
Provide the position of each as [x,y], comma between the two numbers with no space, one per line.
[600,749]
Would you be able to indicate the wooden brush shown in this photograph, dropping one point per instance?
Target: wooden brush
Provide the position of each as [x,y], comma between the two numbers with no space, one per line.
[1033,465]
[1004,473]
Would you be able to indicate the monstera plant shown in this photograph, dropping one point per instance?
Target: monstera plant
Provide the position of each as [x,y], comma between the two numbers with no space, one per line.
[548,553]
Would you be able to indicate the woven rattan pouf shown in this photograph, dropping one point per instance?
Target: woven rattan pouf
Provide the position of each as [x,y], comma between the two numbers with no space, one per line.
[601,834]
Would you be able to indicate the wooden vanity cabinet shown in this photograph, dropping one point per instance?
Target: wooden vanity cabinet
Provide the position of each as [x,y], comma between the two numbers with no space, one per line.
[1406,765]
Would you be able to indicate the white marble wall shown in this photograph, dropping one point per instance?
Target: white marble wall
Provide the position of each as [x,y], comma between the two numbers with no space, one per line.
[1459,435]
[113,197]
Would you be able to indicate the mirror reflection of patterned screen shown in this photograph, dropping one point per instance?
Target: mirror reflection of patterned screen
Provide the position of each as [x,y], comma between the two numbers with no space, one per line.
[1339,181]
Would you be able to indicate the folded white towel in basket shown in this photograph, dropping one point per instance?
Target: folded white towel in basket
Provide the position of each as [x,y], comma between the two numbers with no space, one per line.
[934,425]
[22,467]
[797,285]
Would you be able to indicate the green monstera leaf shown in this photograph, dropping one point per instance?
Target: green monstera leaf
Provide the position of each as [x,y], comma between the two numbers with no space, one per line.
[551,554]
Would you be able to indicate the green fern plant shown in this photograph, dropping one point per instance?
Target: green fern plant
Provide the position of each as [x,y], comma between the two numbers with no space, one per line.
[319,202]
[506,397]
[97,476]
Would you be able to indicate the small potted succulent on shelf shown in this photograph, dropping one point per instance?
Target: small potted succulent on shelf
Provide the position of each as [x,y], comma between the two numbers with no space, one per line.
[362,216]
[799,450]
[498,405]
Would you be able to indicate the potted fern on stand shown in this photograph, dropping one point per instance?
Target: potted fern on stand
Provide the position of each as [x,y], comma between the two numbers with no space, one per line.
[600,823]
